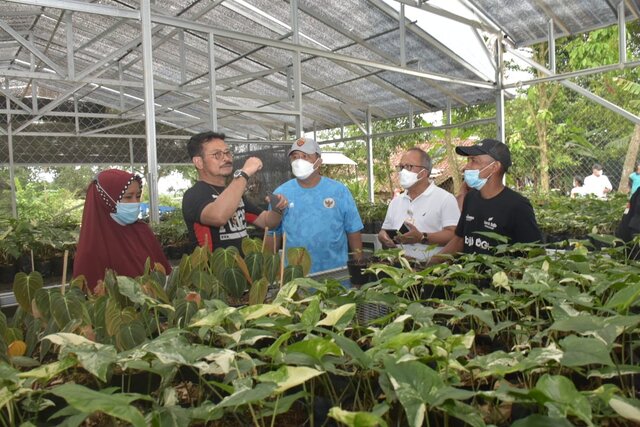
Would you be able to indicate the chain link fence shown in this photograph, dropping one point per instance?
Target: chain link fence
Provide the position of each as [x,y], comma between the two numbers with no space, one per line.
[550,145]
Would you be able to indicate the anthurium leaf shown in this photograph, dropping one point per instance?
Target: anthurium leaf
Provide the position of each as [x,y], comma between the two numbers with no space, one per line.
[580,351]
[299,257]
[8,375]
[414,384]
[222,361]
[271,267]
[112,316]
[94,357]
[340,316]
[351,348]
[469,414]
[215,318]
[625,297]
[287,291]
[130,335]
[257,311]
[169,416]
[43,301]
[25,287]
[184,311]
[625,407]
[562,397]
[501,280]
[131,289]
[255,263]
[248,395]
[311,315]
[258,291]
[580,324]
[614,371]
[47,372]
[315,347]
[356,419]
[234,282]
[282,404]
[3,326]
[66,308]
[89,401]
[497,363]
[407,339]
[538,420]
[250,246]
[173,348]
[482,314]
[292,272]
[273,351]
[289,376]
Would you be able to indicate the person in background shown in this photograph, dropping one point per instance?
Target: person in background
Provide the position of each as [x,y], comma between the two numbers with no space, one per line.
[430,213]
[493,207]
[111,237]
[597,183]
[578,188]
[216,214]
[321,215]
[634,180]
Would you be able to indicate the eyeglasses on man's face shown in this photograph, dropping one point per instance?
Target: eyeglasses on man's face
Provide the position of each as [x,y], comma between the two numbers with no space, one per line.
[219,155]
[410,168]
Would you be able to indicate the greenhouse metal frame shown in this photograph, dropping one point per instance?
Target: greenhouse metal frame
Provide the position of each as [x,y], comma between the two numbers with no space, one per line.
[266,71]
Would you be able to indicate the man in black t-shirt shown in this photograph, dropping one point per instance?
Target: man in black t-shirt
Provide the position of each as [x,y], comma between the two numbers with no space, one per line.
[217,214]
[490,206]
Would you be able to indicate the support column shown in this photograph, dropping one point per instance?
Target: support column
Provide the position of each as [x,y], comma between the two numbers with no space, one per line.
[500,134]
[297,70]
[213,106]
[622,34]
[403,50]
[370,156]
[68,19]
[131,161]
[149,110]
[552,47]
[12,174]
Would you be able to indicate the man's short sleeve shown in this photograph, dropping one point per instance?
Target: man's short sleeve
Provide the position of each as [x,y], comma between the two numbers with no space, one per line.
[526,227]
[193,203]
[352,221]
[450,213]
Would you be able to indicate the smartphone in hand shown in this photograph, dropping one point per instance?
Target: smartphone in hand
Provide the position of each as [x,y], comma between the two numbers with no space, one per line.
[403,229]
[273,199]
[391,233]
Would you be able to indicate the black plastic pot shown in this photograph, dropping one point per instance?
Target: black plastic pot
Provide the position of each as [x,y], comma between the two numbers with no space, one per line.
[356,274]
[8,273]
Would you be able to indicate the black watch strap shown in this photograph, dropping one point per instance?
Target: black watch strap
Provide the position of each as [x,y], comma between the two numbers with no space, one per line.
[425,238]
[240,173]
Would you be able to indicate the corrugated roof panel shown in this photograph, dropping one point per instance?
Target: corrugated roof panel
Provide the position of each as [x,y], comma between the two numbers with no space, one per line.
[364,29]
[526,21]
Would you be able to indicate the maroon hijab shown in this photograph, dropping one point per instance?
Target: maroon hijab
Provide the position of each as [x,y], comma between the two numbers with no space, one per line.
[103,242]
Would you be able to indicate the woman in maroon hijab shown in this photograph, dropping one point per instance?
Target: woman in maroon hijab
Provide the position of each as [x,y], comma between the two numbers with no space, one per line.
[111,235]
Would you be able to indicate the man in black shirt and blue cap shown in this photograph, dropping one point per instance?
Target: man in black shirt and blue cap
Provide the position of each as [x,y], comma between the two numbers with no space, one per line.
[490,206]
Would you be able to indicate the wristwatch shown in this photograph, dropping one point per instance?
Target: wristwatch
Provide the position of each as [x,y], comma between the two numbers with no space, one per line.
[239,172]
[425,238]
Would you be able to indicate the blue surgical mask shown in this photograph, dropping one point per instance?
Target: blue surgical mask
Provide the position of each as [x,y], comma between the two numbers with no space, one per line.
[126,213]
[472,177]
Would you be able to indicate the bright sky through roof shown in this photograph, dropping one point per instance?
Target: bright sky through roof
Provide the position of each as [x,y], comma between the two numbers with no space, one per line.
[457,37]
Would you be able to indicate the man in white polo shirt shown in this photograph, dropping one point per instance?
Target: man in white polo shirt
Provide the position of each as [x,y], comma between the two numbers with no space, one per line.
[430,213]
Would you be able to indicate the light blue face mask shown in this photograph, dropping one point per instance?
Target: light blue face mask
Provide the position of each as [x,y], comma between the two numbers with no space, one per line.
[472,177]
[126,213]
